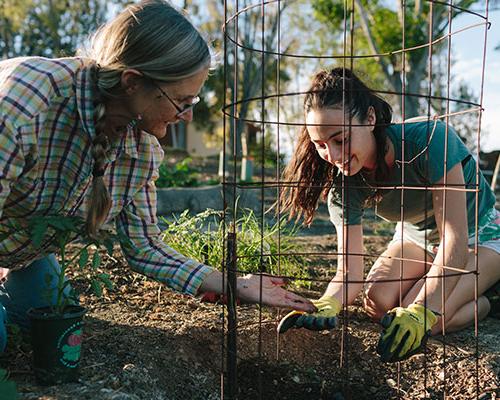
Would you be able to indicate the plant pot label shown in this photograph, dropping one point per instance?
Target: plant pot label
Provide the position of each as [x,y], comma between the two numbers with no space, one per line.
[70,344]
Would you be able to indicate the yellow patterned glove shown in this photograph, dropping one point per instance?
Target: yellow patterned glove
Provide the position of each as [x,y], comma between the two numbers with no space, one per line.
[323,319]
[405,332]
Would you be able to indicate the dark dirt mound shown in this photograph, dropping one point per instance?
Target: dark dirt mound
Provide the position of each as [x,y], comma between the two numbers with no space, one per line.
[142,341]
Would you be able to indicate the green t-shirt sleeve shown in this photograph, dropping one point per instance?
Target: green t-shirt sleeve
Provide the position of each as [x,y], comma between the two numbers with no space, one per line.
[352,212]
[431,163]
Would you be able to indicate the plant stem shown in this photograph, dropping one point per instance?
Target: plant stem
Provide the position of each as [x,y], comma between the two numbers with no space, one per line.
[60,283]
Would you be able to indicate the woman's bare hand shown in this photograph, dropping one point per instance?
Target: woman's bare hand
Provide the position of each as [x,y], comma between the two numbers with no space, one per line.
[251,286]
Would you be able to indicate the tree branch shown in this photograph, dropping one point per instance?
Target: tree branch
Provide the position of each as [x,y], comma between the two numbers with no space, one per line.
[364,15]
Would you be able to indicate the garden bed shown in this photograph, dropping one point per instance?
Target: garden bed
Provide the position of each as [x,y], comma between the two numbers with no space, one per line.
[144,342]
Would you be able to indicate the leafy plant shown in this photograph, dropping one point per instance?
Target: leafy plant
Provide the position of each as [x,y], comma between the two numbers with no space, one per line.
[201,237]
[182,174]
[61,230]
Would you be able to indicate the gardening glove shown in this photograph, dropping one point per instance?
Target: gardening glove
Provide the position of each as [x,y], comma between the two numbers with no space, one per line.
[323,319]
[405,332]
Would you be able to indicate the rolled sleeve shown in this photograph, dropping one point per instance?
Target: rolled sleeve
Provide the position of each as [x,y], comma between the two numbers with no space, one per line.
[149,255]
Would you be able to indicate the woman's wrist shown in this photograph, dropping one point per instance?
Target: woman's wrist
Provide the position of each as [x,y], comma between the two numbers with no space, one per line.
[216,282]
[213,282]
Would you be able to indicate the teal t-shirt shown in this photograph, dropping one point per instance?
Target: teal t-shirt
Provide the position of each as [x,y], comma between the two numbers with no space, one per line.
[422,166]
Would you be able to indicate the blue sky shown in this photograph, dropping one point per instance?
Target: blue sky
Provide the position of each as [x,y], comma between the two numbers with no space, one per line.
[468,62]
[468,55]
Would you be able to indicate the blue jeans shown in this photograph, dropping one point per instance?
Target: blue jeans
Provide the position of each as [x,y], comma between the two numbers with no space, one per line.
[33,286]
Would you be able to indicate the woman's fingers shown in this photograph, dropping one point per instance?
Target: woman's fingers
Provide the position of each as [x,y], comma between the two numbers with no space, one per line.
[272,293]
[278,281]
[299,303]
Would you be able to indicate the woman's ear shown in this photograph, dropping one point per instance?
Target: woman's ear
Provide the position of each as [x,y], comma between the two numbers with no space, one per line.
[371,118]
[130,80]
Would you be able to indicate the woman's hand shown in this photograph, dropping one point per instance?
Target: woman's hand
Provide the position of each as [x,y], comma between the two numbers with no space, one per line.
[405,332]
[273,294]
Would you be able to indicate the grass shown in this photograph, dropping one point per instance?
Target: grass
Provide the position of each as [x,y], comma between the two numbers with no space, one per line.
[261,246]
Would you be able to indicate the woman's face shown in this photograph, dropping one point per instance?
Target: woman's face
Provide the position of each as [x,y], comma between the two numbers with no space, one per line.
[156,103]
[350,149]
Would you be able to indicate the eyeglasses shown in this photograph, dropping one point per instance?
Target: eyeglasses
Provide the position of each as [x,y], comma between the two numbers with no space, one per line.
[180,110]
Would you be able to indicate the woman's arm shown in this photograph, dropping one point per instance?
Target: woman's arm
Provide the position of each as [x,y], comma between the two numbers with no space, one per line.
[350,265]
[263,289]
[451,220]
[152,257]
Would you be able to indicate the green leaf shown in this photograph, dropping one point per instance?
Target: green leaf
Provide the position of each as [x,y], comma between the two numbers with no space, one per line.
[84,258]
[96,287]
[38,231]
[4,235]
[108,243]
[59,223]
[106,280]
[96,261]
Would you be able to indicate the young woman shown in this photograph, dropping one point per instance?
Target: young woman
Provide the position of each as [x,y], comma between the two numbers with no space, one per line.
[79,136]
[351,154]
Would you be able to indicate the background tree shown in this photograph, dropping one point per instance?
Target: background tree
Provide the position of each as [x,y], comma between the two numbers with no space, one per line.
[253,71]
[49,28]
[378,29]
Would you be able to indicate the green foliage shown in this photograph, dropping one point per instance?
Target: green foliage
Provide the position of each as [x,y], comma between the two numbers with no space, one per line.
[379,28]
[201,237]
[181,174]
[49,28]
[61,230]
[252,73]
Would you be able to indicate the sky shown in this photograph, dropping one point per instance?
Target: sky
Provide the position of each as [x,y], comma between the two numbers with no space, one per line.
[467,50]
[468,53]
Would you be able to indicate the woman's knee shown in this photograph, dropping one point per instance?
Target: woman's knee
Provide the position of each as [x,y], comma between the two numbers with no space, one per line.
[32,286]
[465,315]
[372,309]
[377,302]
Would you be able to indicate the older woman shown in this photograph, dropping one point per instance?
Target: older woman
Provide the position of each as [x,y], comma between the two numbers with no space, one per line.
[79,136]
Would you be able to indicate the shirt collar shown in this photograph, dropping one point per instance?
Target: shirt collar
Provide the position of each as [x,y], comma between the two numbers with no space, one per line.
[130,142]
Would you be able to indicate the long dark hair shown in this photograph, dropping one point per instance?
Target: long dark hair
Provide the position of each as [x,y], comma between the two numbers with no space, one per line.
[307,176]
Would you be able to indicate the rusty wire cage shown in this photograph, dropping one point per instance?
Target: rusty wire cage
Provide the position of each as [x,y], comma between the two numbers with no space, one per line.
[342,363]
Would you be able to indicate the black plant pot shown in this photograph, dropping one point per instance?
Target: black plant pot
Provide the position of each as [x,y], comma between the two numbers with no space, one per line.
[56,341]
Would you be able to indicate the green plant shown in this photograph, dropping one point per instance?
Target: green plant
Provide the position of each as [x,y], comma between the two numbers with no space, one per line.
[201,237]
[61,230]
[181,174]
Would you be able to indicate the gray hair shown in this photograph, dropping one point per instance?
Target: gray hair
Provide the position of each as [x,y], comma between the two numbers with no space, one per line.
[153,38]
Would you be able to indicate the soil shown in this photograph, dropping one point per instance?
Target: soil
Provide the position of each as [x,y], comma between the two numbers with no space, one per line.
[145,342]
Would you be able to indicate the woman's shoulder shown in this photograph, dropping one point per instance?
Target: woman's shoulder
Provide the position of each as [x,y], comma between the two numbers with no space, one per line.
[421,133]
[28,84]
[418,128]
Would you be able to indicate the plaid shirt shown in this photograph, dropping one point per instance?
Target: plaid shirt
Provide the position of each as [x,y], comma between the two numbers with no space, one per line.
[46,133]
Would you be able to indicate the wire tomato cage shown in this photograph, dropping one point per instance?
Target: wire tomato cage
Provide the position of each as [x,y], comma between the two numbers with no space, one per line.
[271,49]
